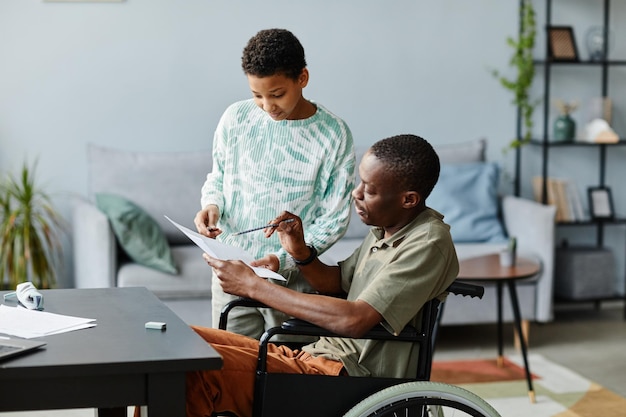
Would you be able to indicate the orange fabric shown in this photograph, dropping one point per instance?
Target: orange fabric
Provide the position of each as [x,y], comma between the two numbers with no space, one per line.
[231,388]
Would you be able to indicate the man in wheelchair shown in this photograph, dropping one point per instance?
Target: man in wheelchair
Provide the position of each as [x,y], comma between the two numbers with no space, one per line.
[406,260]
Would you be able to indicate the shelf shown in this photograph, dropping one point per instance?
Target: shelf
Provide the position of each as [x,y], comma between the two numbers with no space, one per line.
[590,222]
[539,142]
[606,70]
[581,63]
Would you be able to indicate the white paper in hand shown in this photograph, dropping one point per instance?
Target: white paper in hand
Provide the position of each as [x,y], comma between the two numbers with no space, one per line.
[223,251]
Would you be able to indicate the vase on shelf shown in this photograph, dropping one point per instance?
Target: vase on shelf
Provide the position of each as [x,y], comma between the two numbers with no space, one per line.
[564,128]
[598,40]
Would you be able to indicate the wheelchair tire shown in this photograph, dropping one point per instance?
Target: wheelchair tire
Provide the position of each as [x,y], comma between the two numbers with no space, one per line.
[399,400]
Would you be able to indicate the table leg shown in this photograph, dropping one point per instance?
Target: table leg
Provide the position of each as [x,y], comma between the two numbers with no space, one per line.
[518,325]
[500,360]
[166,395]
[525,335]
[111,412]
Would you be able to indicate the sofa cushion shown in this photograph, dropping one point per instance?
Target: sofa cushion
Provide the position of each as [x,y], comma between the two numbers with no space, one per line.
[137,233]
[467,195]
[193,279]
[463,152]
[162,183]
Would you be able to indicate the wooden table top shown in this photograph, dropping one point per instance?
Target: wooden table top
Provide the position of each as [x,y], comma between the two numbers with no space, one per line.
[487,267]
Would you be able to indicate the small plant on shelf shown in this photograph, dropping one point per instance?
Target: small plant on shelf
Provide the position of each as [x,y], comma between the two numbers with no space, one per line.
[30,233]
[565,108]
[522,61]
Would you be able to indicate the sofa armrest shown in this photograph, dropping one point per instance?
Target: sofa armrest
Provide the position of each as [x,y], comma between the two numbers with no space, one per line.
[95,247]
[532,224]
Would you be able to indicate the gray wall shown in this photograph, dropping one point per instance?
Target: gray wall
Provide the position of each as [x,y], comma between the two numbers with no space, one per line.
[157,74]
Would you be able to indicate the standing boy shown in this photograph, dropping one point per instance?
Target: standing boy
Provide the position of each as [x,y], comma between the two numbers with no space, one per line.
[277,151]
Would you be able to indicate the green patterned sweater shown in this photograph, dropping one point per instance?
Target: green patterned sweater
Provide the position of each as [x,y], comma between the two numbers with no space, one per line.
[262,167]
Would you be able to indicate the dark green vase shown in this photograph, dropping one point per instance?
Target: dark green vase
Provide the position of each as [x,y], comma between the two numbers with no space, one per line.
[564,128]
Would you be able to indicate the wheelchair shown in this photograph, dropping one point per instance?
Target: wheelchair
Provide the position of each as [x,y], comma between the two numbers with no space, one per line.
[278,395]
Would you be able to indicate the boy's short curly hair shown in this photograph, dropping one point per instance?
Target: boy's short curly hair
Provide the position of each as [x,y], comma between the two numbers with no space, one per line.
[411,160]
[273,51]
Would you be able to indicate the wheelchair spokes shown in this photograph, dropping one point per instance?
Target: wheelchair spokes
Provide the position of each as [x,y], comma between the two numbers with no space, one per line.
[423,399]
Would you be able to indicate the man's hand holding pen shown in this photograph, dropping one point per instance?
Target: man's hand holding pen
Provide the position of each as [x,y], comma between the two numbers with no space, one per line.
[284,223]
[291,234]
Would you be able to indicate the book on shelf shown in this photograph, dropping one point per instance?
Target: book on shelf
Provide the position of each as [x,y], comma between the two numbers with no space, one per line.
[563,194]
[575,201]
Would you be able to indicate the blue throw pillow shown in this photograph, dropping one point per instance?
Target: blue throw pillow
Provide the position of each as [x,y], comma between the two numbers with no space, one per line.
[467,195]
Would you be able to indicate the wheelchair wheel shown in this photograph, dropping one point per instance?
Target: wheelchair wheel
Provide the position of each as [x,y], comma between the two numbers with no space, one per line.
[423,398]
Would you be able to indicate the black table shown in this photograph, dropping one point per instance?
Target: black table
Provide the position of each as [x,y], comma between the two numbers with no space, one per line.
[116,364]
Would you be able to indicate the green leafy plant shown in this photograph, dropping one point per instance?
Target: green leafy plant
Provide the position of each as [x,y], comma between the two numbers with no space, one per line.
[522,61]
[30,245]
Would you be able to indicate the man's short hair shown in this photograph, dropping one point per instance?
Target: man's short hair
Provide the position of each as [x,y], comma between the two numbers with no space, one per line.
[411,160]
[271,52]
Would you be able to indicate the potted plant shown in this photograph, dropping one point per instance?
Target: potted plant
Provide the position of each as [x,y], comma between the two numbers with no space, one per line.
[30,245]
[522,61]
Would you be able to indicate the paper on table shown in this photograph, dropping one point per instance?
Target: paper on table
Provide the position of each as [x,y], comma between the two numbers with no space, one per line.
[21,322]
[221,250]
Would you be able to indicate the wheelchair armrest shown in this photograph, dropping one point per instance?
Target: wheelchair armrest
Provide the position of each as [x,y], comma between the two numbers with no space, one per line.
[239,302]
[378,332]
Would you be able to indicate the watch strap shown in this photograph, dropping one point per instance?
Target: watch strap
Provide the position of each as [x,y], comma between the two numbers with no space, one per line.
[311,258]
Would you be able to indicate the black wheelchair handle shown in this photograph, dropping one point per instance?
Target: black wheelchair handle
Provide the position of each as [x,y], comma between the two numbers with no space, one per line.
[464,288]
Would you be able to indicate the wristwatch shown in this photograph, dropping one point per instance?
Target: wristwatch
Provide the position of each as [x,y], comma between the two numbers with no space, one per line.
[308,260]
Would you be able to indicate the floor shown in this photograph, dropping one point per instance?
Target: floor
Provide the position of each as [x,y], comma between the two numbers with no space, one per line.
[590,341]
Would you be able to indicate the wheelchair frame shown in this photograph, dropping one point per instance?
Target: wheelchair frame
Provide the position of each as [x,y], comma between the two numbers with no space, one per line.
[282,394]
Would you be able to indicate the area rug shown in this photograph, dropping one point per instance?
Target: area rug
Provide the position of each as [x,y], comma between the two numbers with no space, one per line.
[559,391]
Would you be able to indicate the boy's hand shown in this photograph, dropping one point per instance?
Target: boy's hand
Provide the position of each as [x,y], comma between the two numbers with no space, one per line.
[206,220]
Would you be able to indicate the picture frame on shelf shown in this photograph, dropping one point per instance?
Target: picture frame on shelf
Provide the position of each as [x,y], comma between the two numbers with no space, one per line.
[600,203]
[599,108]
[562,44]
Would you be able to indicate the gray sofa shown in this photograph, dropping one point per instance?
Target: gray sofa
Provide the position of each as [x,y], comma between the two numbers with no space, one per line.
[169,184]
[159,183]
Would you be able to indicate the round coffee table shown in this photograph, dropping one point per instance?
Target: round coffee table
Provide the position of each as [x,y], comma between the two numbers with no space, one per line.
[487,268]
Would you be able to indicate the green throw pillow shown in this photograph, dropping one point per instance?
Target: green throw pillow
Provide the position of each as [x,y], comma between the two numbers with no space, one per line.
[137,232]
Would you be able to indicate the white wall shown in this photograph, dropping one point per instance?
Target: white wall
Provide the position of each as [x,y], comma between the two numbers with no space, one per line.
[157,74]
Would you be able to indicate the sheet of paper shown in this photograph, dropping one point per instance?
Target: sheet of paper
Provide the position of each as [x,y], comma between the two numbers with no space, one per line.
[28,324]
[223,251]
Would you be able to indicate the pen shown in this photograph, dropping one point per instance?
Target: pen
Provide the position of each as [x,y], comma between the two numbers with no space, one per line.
[262,227]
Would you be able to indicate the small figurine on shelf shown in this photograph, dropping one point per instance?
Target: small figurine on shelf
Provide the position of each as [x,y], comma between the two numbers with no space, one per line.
[564,125]
[599,131]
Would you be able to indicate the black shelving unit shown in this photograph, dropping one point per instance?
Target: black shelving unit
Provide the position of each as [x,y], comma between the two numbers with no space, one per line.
[546,145]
